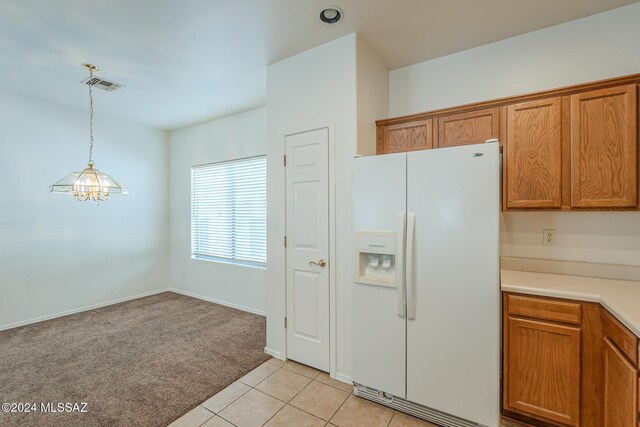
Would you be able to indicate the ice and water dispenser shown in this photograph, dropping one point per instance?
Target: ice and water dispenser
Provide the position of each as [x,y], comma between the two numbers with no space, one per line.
[376,257]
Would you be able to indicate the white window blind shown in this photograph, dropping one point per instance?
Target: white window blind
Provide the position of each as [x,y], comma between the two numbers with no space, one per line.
[229,211]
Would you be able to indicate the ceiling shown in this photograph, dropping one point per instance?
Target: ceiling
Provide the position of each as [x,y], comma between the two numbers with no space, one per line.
[188,61]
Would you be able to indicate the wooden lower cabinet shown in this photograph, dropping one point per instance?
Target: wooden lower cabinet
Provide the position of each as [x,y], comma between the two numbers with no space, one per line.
[543,368]
[620,388]
[568,363]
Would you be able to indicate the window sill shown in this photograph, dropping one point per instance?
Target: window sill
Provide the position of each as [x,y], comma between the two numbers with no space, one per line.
[247,264]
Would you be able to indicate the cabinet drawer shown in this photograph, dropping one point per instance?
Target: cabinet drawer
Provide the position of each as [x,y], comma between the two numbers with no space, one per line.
[544,309]
[618,334]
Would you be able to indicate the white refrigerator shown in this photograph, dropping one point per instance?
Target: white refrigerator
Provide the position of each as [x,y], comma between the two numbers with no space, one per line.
[426,292]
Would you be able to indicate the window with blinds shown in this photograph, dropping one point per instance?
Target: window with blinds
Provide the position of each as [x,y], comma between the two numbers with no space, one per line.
[229,211]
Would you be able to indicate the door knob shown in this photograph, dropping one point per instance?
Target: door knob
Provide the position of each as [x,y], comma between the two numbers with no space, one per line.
[320,263]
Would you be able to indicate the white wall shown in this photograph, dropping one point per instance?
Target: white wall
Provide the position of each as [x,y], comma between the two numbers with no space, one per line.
[343,82]
[593,48]
[372,79]
[600,237]
[233,137]
[59,255]
[597,47]
[315,86]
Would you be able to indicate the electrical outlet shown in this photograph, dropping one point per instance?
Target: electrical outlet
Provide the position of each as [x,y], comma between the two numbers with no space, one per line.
[548,237]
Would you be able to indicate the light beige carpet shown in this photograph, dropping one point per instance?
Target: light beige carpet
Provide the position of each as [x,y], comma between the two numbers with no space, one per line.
[139,363]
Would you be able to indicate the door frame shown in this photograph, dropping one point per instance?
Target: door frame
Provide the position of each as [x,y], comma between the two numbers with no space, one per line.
[330,126]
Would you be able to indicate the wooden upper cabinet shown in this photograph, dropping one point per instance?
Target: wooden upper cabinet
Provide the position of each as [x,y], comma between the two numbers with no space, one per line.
[542,370]
[570,148]
[474,127]
[604,148]
[405,137]
[620,389]
[534,154]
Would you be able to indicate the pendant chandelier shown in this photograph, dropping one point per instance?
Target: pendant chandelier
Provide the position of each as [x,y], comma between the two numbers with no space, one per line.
[89,183]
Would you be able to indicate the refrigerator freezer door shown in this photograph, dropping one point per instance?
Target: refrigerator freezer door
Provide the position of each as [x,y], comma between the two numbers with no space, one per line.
[453,344]
[379,346]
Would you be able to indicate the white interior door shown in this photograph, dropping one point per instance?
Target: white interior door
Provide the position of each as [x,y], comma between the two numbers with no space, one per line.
[453,286]
[307,189]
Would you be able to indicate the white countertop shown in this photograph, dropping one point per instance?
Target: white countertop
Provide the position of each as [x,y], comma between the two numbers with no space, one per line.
[620,297]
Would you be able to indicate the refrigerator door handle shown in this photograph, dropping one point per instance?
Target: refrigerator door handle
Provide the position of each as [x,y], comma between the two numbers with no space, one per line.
[400,283]
[410,285]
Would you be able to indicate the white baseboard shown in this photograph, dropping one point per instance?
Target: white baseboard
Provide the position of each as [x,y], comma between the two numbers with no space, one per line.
[79,310]
[274,353]
[217,301]
[344,378]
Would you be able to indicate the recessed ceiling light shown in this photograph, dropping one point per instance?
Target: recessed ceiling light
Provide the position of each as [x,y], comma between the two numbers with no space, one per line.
[331,15]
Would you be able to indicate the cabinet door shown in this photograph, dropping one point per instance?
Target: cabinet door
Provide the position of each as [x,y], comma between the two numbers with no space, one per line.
[604,148]
[406,137]
[534,154]
[620,389]
[542,370]
[468,128]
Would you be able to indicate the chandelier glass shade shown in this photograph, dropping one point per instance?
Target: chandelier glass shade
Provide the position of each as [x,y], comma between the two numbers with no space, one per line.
[89,183]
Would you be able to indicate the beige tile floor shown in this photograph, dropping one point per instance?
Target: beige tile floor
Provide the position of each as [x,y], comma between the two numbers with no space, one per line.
[284,394]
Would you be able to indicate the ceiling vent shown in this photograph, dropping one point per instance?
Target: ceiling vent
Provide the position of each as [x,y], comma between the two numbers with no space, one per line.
[103,84]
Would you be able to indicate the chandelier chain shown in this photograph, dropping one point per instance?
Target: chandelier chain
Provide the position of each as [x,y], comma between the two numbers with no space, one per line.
[89,183]
[90,118]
